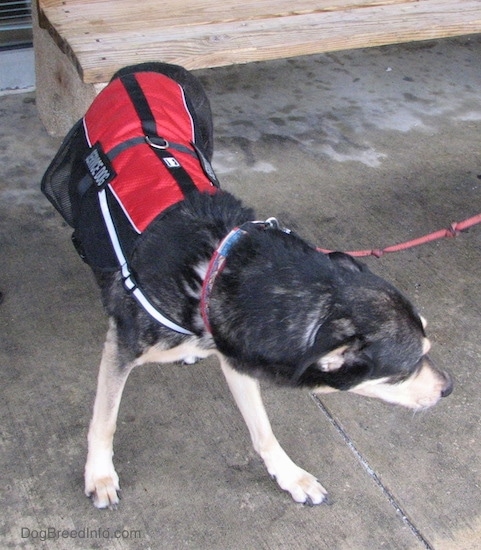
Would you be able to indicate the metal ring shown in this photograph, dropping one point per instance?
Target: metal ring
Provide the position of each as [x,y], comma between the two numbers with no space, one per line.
[164,145]
[272,223]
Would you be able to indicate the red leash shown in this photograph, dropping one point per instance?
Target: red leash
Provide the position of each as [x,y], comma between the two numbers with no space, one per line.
[452,231]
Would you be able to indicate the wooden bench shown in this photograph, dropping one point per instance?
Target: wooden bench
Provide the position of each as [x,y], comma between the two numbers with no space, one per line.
[79,44]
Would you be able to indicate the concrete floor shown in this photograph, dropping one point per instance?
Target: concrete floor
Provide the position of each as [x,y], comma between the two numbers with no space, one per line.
[354,149]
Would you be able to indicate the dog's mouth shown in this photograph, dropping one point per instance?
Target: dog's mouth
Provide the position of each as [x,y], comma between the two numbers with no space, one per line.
[421,390]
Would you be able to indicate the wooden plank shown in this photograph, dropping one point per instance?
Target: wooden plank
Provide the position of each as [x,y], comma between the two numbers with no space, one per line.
[71,16]
[100,36]
[71,21]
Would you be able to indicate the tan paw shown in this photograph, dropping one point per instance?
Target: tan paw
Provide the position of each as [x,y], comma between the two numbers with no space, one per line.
[103,489]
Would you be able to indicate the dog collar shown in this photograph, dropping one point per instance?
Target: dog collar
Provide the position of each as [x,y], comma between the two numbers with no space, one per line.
[218,259]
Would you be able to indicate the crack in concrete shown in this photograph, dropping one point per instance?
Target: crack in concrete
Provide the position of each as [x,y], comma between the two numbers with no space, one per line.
[372,474]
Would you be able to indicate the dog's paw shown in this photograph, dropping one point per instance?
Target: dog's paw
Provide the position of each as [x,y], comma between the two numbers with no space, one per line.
[303,487]
[102,486]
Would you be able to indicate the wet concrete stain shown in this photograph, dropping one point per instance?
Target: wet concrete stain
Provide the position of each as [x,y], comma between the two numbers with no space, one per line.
[343,98]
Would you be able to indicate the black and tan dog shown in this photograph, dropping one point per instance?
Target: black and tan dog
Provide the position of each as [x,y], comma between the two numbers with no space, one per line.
[254,294]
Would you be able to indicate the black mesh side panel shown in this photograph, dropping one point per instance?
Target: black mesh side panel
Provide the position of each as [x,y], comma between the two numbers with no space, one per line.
[60,181]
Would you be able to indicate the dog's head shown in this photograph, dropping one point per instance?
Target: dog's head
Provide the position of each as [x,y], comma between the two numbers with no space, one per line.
[322,321]
[378,346]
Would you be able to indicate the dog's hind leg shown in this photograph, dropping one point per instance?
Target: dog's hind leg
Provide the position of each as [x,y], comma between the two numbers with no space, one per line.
[101,479]
[302,486]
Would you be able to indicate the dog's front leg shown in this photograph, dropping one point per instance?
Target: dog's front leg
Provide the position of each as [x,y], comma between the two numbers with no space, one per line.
[302,486]
[101,479]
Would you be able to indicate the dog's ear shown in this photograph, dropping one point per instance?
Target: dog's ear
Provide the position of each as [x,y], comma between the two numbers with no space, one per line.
[333,360]
[347,262]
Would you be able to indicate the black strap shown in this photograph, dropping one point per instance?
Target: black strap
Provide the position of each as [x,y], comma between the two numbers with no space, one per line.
[149,127]
[140,103]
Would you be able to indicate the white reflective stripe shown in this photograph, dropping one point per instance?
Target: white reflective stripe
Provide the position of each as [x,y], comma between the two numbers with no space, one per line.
[192,125]
[126,212]
[129,283]
[143,301]
[113,233]
[86,130]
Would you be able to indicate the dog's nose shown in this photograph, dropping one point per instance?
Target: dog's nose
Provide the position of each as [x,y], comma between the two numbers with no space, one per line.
[449,385]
